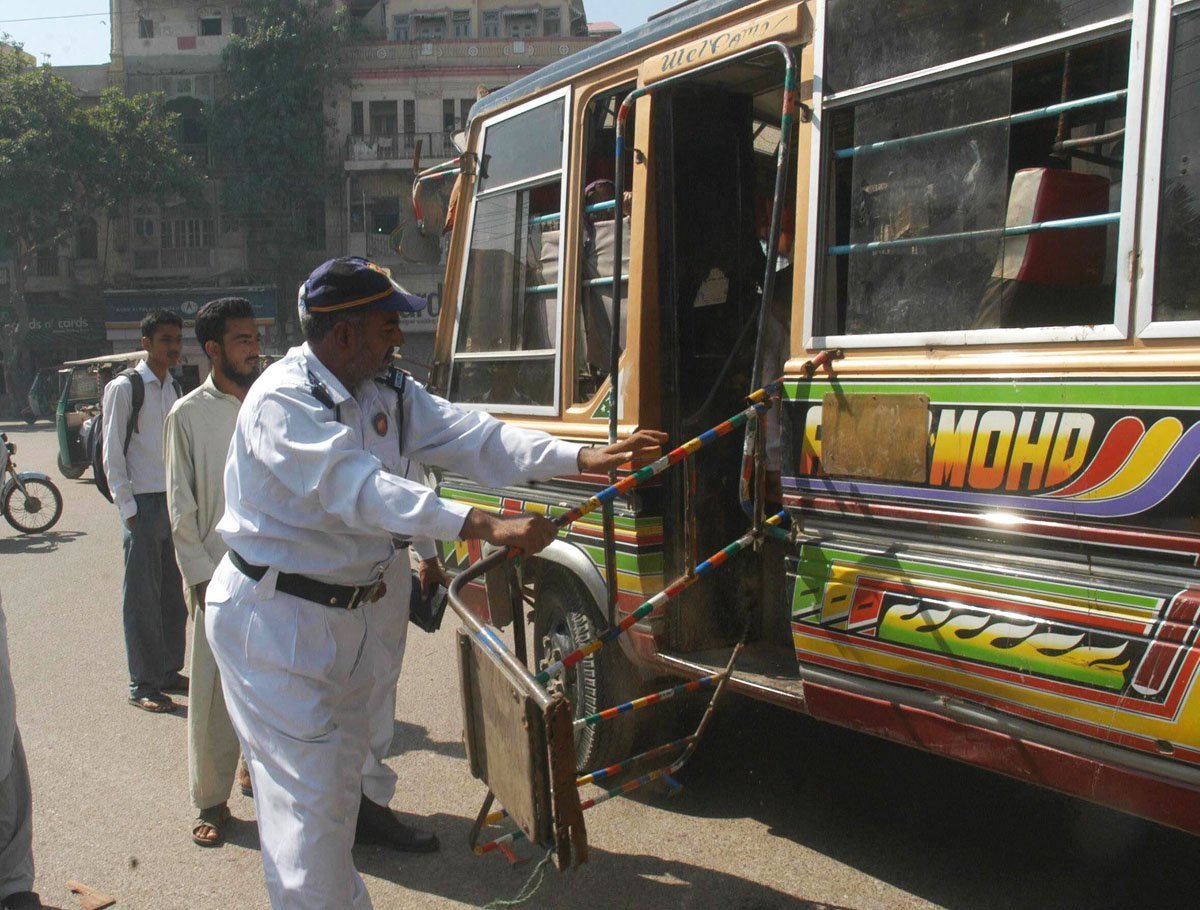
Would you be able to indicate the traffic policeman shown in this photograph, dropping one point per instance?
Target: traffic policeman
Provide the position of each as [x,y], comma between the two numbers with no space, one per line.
[311,518]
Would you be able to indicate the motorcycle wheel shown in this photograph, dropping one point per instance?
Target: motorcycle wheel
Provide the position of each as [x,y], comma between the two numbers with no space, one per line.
[70,471]
[34,511]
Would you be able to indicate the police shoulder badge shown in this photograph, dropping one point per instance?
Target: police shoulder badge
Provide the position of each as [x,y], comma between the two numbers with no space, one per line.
[380,422]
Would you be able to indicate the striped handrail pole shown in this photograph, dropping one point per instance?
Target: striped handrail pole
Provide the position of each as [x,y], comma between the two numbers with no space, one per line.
[586,804]
[431,174]
[600,774]
[759,401]
[646,701]
[672,590]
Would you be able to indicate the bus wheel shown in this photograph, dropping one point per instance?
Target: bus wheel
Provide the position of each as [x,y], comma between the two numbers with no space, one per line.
[70,471]
[565,618]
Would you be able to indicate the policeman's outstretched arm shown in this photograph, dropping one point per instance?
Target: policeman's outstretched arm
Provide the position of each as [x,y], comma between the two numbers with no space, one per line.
[642,445]
[527,532]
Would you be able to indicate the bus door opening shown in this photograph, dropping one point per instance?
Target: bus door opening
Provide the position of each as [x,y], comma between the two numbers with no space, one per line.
[715,142]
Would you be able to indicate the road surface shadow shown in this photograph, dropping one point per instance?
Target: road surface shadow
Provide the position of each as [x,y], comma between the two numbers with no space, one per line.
[408,737]
[950,833]
[49,542]
[608,881]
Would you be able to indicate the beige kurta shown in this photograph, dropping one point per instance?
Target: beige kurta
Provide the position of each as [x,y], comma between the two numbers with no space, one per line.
[196,441]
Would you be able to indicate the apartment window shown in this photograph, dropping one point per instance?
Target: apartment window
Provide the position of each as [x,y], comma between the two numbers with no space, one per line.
[522,25]
[431,28]
[145,27]
[464,111]
[240,26]
[356,118]
[462,23]
[448,117]
[399,28]
[383,118]
[143,227]
[87,240]
[210,26]
[187,233]
[410,120]
[491,25]
[551,26]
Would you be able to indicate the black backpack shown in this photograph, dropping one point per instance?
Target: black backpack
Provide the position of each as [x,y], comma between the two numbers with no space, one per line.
[94,444]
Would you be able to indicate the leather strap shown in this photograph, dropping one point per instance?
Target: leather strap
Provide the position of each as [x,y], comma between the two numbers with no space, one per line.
[339,597]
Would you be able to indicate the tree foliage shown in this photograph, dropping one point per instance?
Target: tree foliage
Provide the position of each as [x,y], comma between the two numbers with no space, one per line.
[63,161]
[269,130]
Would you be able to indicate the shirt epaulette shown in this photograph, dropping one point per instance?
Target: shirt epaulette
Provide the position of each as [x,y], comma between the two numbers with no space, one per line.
[319,390]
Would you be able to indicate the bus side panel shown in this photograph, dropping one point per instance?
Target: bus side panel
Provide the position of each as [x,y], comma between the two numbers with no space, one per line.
[1047,568]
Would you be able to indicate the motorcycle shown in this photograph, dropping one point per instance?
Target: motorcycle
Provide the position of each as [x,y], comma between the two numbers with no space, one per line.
[30,501]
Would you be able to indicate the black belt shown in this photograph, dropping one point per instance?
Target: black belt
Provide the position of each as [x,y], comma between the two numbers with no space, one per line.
[340,597]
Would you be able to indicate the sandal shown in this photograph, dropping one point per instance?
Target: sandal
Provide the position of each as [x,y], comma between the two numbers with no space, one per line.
[214,819]
[155,704]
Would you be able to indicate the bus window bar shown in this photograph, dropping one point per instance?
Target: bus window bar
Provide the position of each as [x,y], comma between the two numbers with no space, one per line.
[555,216]
[1041,113]
[1016,230]
[590,283]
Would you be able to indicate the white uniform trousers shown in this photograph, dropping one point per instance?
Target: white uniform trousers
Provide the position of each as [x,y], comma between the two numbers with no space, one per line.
[212,743]
[389,632]
[297,680]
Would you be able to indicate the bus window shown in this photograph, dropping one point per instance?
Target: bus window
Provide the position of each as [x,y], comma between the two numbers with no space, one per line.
[593,314]
[1177,267]
[508,322]
[988,200]
[870,40]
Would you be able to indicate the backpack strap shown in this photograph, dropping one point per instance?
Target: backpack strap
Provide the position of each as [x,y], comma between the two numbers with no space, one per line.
[138,387]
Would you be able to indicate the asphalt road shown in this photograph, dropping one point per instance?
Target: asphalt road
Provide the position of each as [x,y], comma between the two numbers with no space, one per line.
[777,811]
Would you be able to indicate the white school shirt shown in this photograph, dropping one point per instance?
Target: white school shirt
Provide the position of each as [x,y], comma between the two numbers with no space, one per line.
[140,470]
[305,494]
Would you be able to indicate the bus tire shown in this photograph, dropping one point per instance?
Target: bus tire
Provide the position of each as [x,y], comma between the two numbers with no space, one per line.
[565,618]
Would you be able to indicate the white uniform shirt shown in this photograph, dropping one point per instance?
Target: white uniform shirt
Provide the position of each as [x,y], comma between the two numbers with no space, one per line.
[380,400]
[140,470]
[306,493]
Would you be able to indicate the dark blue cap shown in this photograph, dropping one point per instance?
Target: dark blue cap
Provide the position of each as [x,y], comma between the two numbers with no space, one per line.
[353,283]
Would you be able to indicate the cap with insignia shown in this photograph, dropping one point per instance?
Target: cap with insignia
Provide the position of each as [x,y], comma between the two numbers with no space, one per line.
[354,283]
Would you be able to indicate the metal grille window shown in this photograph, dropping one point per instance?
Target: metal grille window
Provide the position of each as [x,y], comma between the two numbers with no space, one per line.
[1170,290]
[145,27]
[551,24]
[981,195]
[462,23]
[210,26]
[506,338]
[491,25]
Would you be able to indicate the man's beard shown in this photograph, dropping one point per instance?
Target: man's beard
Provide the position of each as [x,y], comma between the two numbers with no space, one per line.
[245,380]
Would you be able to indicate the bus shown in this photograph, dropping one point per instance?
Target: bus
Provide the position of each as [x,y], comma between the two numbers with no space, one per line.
[966,237]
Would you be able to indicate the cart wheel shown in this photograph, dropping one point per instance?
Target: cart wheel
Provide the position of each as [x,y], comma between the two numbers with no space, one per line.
[35,510]
[565,618]
[70,471]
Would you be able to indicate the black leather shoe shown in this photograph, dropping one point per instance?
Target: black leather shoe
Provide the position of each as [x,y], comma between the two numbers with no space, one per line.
[378,826]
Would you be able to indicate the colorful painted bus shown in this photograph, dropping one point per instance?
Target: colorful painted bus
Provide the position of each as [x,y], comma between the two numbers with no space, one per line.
[991,213]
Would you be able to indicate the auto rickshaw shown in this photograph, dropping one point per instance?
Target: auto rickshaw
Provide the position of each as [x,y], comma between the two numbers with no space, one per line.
[83,384]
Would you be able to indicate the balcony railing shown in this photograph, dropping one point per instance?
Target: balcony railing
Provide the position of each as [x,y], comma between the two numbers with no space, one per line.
[399,147]
[193,258]
[46,266]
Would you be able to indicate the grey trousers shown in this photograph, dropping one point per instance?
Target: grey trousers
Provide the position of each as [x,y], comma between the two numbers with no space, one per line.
[16,801]
[152,599]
